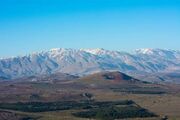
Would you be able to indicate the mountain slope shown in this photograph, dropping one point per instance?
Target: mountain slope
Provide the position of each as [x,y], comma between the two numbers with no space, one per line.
[49,78]
[86,61]
[108,77]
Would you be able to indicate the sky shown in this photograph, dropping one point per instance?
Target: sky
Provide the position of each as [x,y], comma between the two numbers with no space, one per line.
[34,25]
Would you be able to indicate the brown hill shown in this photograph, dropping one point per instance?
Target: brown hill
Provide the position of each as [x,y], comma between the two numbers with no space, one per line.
[108,77]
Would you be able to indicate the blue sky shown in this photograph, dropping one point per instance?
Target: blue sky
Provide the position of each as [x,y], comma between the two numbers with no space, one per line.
[35,25]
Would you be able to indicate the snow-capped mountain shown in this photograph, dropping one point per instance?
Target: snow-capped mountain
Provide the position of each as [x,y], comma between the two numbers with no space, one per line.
[85,61]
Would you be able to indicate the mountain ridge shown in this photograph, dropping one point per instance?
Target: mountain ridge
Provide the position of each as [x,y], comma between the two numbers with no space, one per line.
[86,61]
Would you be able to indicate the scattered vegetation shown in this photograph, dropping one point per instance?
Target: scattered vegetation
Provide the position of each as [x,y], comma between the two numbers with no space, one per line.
[140,90]
[114,112]
[5,115]
[108,110]
[62,105]
[35,97]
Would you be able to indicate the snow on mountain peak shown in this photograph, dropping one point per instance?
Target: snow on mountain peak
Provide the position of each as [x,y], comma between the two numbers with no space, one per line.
[145,51]
[155,51]
[95,51]
[57,50]
[81,61]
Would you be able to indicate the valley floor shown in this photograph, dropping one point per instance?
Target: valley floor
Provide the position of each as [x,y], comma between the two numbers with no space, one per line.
[162,104]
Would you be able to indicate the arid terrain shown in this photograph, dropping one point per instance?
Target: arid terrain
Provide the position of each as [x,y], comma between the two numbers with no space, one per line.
[91,97]
[89,59]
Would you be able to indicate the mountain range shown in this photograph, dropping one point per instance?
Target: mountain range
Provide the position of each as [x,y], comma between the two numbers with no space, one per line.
[141,63]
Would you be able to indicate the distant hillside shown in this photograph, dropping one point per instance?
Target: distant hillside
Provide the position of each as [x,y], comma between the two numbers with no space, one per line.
[88,61]
[49,78]
[3,78]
